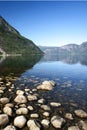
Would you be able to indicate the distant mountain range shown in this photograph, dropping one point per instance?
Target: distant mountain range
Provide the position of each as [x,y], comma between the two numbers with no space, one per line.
[12,42]
[66,49]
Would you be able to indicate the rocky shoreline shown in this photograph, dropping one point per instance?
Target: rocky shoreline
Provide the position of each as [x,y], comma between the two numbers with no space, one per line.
[26,110]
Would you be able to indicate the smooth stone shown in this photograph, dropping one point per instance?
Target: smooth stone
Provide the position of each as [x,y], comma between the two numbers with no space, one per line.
[34,115]
[1,91]
[46,85]
[46,114]
[22,105]
[20,121]
[4,119]
[41,101]
[4,100]
[45,123]
[27,90]
[2,88]
[73,128]
[45,107]
[69,116]
[8,84]
[30,108]
[55,104]
[80,113]
[7,110]
[19,92]
[32,97]
[21,111]
[10,127]
[20,99]
[33,125]
[82,125]
[57,121]
[51,82]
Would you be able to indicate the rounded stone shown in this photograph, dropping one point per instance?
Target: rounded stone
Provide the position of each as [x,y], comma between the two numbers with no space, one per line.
[20,99]
[20,121]
[10,127]
[45,123]
[4,119]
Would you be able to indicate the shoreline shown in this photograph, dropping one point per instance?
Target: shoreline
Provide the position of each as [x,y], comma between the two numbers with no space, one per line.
[29,105]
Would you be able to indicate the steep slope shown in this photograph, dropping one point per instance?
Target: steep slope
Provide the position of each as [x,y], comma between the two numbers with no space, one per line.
[11,42]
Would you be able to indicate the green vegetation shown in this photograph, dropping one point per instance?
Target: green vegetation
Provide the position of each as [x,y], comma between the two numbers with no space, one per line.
[13,43]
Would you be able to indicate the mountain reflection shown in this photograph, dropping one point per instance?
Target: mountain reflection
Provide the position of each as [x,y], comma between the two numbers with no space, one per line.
[69,59]
[17,64]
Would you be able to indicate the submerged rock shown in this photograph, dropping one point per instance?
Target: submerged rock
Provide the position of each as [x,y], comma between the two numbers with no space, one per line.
[20,99]
[33,125]
[34,115]
[41,101]
[82,125]
[10,127]
[32,97]
[73,128]
[7,110]
[4,100]
[55,104]
[20,121]
[46,85]
[46,114]
[45,123]
[69,116]
[4,119]
[21,111]
[45,107]
[80,113]
[19,92]
[57,121]
[30,108]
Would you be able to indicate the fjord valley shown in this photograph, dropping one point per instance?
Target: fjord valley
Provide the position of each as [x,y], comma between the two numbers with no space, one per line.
[43,87]
[11,41]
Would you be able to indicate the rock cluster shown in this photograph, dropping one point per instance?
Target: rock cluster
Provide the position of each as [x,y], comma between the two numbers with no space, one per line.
[27,109]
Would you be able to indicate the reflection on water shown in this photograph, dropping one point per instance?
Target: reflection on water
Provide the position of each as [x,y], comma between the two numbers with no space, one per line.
[69,59]
[17,65]
[70,78]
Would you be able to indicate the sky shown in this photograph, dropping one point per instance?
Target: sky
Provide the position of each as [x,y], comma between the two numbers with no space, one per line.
[48,23]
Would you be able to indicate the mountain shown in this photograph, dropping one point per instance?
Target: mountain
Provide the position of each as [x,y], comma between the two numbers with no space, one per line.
[12,42]
[73,49]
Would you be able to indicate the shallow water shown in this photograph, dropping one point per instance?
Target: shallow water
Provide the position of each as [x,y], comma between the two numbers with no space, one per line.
[69,73]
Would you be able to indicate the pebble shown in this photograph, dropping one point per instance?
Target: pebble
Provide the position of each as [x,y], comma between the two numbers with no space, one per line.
[22,111]
[20,121]
[80,113]
[45,107]
[4,119]
[34,115]
[73,128]
[10,127]
[33,125]
[20,99]
[30,108]
[57,121]
[69,116]
[4,100]
[55,104]
[46,114]
[82,125]
[32,97]
[45,123]
[7,110]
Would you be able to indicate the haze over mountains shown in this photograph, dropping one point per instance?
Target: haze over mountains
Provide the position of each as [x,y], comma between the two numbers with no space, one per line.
[11,41]
[66,49]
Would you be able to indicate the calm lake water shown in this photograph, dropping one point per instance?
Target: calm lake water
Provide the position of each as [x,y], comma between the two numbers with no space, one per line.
[69,73]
